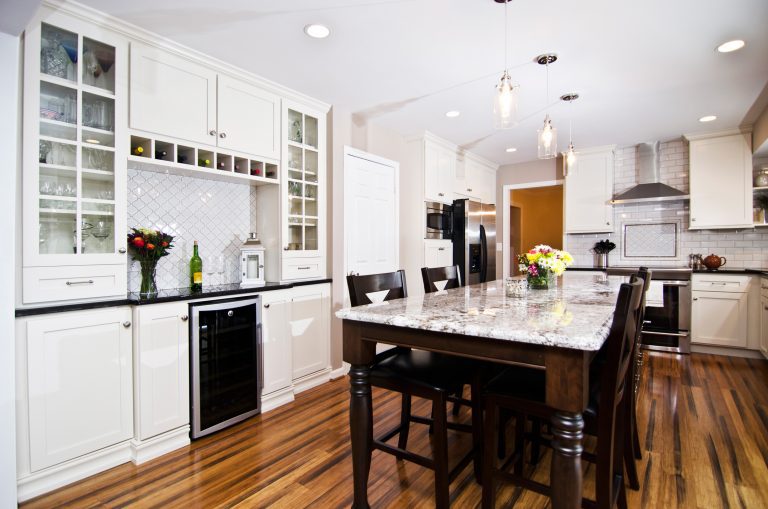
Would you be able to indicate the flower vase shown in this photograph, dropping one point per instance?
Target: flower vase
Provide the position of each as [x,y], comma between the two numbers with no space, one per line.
[540,282]
[148,285]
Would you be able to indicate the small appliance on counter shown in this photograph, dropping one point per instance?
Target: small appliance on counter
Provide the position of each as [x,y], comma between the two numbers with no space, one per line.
[713,262]
[252,261]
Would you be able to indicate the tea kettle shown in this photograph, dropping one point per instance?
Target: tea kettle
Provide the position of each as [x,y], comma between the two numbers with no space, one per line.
[713,262]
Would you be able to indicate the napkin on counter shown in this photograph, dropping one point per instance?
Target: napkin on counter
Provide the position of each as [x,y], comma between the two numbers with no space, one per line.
[655,296]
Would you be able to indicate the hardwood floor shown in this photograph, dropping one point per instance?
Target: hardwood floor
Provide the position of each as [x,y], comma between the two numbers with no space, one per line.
[703,423]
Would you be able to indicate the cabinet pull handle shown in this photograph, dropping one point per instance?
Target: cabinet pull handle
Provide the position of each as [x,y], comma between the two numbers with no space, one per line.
[72,283]
[608,223]
[266,306]
[695,298]
[440,194]
[222,135]
[126,324]
[693,219]
[212,132]
[121,250]
[303,268]
[184,318]
[441,249]
[469,189]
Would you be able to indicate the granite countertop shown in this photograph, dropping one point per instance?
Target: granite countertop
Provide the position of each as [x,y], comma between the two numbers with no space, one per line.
[576,314]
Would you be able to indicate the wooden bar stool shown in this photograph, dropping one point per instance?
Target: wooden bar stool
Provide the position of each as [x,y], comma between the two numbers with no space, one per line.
[450,275]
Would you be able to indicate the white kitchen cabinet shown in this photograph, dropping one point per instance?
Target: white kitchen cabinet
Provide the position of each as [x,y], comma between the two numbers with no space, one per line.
[176,97]
[720,310]
[439,172]
[161,368]
[588,192]
[78,383]
[310,329]
[276,337]
[475,180]
[438,253]
[74,173]
[721,181]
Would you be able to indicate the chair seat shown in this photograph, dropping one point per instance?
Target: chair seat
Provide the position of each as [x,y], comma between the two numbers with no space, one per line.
[427,370]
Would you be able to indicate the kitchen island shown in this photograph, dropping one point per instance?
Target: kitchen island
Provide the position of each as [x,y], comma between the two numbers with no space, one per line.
[559,330]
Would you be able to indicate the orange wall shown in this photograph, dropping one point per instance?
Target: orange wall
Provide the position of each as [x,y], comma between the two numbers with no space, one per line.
[541,215]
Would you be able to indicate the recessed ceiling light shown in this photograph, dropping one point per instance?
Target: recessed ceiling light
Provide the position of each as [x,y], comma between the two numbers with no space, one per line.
[452,114]
[317,31]
[511,149]
[729,46]
[708,118]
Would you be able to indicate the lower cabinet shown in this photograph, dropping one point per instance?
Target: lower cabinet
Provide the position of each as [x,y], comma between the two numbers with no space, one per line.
[438,253]
[764,323]
[78,384]
[276,340]
[310,329]
[161,364]
[719,318]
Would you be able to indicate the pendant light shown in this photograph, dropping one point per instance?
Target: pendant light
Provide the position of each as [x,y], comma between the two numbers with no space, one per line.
[570,155]
[547,135]
[505,99]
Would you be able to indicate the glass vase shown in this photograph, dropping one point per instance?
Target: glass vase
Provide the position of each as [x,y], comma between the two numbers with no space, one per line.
[148,285]
[540,282]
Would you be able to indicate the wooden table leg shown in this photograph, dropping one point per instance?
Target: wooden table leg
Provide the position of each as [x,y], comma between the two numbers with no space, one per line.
[361,430]
[565,474]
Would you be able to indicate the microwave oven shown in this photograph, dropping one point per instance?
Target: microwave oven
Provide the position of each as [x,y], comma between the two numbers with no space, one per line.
[439,220]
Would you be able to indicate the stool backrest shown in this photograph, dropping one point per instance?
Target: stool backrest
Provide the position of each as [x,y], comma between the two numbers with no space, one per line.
[361,286]
[431,275]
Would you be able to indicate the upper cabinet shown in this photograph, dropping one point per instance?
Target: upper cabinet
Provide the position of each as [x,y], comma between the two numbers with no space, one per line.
[74,177]
[176,97]
[588,192]
[439,171]
[721,180]
[475,179]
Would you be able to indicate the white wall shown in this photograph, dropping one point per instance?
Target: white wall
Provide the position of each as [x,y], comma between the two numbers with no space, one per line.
[9,147]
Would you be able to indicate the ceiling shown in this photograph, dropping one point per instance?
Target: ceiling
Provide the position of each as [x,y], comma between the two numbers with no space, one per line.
[644,70]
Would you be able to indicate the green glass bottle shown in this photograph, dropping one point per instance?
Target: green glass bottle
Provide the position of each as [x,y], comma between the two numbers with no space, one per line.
[196,271]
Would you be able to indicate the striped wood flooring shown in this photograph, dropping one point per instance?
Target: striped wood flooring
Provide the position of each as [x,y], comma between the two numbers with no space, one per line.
[703,422]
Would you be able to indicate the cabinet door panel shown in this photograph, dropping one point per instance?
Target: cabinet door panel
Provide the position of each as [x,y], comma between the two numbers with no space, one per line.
[249,118]
[719,318]
[163,368]
[79,378]
[310,308]
[276,315]
[588,191]
[172,96]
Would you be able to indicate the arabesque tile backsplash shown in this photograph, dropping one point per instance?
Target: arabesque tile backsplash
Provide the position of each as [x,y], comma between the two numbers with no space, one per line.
[216,214]
[742,248]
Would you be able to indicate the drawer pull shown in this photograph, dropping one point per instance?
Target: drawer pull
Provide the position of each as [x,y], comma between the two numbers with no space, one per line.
[441,249]
[184,318]
[304,268]
[126,324]
[266,306]
[72,283]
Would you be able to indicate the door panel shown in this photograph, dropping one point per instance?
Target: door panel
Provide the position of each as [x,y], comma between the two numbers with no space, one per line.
[310,310]
[249,118]
[276,315]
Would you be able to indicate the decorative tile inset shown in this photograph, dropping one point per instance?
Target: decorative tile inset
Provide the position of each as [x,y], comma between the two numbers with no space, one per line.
[654,240]
[216,214]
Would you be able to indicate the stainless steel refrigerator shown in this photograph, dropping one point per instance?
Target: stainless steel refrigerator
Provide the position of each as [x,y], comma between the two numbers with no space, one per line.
[474,241]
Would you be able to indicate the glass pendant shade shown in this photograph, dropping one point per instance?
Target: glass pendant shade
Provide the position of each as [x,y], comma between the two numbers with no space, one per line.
[547,140]
[505,104]
[570,156]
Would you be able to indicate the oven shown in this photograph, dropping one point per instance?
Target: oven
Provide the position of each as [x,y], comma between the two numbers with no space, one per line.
[667,322]
[439,220]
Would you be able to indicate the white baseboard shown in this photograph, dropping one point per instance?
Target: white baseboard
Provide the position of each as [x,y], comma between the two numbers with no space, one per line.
[145,450]
[70,471]
[340,372]
[313,380]
[276,399]
[730,352]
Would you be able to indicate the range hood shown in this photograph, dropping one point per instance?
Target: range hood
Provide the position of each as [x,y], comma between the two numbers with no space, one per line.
[649,187]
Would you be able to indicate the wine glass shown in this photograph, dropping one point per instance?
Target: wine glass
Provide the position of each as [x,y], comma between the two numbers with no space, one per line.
[101,231]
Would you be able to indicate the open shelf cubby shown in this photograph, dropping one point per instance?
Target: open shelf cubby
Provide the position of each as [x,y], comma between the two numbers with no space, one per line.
[170,157]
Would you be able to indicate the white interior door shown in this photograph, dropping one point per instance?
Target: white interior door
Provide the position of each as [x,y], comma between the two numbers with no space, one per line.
[371,222]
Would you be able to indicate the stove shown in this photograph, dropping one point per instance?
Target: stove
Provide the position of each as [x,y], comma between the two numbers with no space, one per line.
[667,321]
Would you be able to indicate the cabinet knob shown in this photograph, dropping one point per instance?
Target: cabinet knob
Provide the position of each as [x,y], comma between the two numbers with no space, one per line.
[693,219]
[222,135]
[469,189]
[230,313]
[441,249]
[266,306]
[126,324]
[184,318]
[608,223]
[212,132]
[440,194]
[765,307]
[695,298]
[121,250]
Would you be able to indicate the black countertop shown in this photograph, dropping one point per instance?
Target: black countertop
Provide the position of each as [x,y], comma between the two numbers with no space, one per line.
[173,295]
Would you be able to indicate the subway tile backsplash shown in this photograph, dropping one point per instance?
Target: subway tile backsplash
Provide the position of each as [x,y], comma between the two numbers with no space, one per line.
[742,248]
[216,214]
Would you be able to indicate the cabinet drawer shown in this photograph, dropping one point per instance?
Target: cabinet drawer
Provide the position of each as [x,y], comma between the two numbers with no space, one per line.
[721,283]
[302,268]
[49,284]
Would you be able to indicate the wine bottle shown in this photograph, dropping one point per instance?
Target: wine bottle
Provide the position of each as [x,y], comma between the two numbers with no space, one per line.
[160,154]
[138,151]
[196,271]
[204,162]
[221,165]
[182,158]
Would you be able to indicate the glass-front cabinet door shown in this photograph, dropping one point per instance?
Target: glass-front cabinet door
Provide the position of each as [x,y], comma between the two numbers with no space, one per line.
[303,192]
[73,165]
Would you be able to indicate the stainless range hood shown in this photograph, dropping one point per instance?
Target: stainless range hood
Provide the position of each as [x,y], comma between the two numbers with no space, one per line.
[649,187]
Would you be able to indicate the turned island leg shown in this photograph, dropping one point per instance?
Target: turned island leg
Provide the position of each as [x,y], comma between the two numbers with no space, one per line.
[565,475]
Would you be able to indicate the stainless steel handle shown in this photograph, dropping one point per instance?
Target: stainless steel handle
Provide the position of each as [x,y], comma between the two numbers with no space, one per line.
[72,283]
[441,249]
[222,135]
[126,324]
[212,132]
[674,283]
[303,268]
[266,306]
[230,313]
[121,250]
[678,334]
[184,318]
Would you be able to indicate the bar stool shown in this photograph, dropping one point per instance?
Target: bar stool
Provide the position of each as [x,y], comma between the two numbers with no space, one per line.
[522,392]
[432,275]
[423,374]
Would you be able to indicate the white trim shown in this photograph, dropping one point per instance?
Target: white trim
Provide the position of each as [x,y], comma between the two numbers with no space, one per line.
[276,398]
[340,372]
[718,134]
[145,450]
[312,380]
[505,217]
[729,352]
